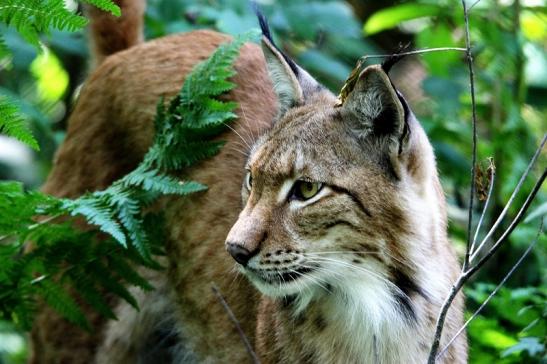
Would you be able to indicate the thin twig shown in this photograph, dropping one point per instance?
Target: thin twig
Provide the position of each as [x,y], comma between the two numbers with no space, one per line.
[473,5]
[232,317]
[442,316]
[495,291]
[417,51]
[474,123]
[490,189]
[34,226]
[44,221]
[512,198]
[513,224]
[465,275]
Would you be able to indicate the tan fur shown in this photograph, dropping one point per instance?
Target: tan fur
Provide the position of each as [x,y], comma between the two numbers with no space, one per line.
[109,131]
[111,34]
[391,228]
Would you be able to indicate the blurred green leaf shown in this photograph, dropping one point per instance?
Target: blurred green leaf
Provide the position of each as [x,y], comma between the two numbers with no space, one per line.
[439,63]
[532,345]
[51,79]
[393,16]
[106,5]
[540,211]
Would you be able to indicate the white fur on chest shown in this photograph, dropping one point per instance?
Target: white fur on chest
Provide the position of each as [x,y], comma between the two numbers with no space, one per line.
[363,325]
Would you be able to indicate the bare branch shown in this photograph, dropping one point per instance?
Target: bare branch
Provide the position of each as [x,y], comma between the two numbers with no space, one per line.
[492,169]
[417,51]
[465,275]
[495,291]
[474,123]
[248,347]
[467,272]
[34,226]
[512,198]
[513,224]
[442,316]
[473,5]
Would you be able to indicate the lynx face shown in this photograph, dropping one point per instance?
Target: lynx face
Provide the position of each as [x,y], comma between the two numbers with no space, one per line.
[332,191]
[309,196]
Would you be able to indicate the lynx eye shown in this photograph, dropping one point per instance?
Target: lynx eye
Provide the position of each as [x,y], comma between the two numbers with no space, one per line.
[304,190]
[249,181]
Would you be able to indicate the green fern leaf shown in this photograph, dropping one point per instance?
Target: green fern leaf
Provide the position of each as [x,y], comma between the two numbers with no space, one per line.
[126,272]
[97,271]
[184,136]
[57,297]
[13,125]
[37,16]
[85,287]
[106,5]
[4,51]
[163,184]
[97,212]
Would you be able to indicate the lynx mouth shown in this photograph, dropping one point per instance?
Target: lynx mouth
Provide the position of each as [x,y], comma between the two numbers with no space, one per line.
[281,277]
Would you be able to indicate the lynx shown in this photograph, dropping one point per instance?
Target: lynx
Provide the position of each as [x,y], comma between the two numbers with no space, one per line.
[324,224]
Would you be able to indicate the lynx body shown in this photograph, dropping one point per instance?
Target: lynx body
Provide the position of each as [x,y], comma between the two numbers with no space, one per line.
[333,214]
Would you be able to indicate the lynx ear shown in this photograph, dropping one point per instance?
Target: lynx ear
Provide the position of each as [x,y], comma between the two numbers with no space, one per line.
[376,112]
[286,85]
[292,84]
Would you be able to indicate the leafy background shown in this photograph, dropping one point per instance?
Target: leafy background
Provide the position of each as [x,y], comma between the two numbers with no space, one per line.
[326,37]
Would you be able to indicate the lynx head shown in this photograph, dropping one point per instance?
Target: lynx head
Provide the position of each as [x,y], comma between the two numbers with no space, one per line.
[336,194]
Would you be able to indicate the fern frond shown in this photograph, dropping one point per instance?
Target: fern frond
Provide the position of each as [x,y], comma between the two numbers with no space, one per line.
[191,153]
[111,285]
[85,286]
[31,17]
[106,5]
[12,125]
[129,214]
[127,273]
[4,51]
[18,208]
[57,297]
[63,256]
[163,184]
[97,212]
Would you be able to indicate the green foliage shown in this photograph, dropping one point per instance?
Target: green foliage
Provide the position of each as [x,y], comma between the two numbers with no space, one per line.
[106,5]
[11,124]
[523,310]
[511,83]
[393,16]
[511,97]
[46,257]
[31,18]
[309,31]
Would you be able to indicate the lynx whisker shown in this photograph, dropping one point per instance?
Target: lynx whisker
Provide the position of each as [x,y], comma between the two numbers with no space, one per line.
[247,128]
[361,269]
[354,252]
[239,135]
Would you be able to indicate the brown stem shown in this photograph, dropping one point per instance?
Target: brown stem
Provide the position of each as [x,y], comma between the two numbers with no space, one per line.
[248,347]
[474,124]
[466,274]
[493,293]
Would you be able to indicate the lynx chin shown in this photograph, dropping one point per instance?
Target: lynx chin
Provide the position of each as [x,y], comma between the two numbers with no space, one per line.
[324,224]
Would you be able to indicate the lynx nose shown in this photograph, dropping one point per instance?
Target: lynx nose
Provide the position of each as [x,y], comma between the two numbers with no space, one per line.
[239,253]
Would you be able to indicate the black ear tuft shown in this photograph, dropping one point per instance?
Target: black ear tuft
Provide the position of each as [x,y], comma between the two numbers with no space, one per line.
[263,22]
[266,32]
[390,61]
